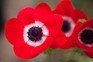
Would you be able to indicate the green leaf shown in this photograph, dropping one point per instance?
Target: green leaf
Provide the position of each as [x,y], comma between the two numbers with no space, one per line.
[82,20]
[49,51]
[78,50]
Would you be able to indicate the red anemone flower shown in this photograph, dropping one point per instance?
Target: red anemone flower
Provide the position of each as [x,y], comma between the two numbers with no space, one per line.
[84,36]
[70,16]
[32,32]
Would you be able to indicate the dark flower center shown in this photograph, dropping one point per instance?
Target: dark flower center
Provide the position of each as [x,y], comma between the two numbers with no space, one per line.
[35,33]
[87,36]
[66,26]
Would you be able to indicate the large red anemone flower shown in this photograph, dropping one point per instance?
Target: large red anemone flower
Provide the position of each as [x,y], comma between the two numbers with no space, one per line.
[70,16]
[32,32]
[84,36]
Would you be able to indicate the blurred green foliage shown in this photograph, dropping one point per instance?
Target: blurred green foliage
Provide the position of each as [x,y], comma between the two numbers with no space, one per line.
[84,5]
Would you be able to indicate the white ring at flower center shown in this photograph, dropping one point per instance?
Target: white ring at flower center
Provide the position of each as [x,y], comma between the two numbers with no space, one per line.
[89,45]
[72,24]
[43,38]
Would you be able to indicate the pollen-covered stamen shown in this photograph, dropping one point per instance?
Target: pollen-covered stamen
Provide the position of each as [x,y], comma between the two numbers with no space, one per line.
[86,36]
[35,33]
[66,26]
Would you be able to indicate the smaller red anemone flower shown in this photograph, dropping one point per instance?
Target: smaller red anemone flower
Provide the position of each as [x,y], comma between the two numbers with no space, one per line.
[70,16]
[32,32]
[84,36]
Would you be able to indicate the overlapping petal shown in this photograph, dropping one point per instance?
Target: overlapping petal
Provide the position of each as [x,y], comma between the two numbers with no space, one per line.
[64,8]
[53,22]
[26,16]
[59,40]
[41,11]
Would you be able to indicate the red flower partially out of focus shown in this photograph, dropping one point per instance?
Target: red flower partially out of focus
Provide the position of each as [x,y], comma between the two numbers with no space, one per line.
[84,36]
[70,16]
[32,32]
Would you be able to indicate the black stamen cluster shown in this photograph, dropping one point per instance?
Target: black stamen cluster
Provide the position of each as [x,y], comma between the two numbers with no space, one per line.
[35,33]
[66,26]
[87,36]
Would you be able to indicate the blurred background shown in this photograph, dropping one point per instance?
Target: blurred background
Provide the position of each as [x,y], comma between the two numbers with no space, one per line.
[10,9]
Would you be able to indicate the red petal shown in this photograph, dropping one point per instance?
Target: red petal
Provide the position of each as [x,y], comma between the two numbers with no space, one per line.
[84,47]
[70,43]
[14,32]
[64,8]
[78,14]
[89,54]
[59,40]
[54,23]
[77,28]
[41,11]
[24,51]
[28,52]
[88,23]
[26,15]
